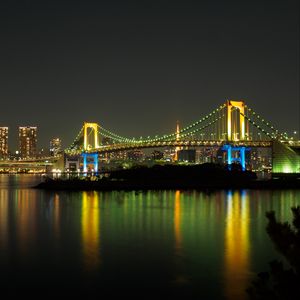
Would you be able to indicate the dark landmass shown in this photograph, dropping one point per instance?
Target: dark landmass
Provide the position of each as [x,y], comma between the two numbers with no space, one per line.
[205,176]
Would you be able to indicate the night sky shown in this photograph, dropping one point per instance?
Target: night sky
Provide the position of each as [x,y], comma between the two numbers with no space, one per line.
[136,67]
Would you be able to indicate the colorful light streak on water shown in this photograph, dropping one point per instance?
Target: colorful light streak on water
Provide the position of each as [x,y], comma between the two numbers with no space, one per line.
[237,248]
[90,230]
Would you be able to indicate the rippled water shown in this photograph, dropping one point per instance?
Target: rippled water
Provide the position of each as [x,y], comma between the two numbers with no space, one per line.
[188,244]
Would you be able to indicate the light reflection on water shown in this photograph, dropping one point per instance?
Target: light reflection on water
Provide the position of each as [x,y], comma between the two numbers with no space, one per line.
[3,222]
[237,248]
[90,230]
[183,242]
[177,223]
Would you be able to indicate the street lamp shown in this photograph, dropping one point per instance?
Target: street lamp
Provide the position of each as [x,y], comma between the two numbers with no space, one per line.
[295,135]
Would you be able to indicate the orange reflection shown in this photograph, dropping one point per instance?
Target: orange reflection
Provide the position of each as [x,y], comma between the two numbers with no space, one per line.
[178,236]
[181,277]
[56,215]
[91,230]
[237,246]
[26,210]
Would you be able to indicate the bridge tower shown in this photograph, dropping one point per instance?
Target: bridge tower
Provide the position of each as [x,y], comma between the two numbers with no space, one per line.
[231,134]
[232,130]
[177,131]
[94,128]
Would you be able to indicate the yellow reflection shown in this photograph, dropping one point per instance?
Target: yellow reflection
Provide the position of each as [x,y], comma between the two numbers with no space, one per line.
[237,246]
[91,230]
[178,237]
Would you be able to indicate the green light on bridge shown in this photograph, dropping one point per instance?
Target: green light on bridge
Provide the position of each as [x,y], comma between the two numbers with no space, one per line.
[287,169]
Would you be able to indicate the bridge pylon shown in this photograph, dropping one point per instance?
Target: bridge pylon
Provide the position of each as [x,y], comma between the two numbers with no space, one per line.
[232,123]
[94,162]
[241,158]
[94,128]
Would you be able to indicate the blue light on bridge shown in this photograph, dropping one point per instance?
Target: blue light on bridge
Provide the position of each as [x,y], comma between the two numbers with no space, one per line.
[94,162]
[241,158]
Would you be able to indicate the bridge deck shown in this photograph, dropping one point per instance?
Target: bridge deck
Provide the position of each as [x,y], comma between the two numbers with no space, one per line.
[195,143]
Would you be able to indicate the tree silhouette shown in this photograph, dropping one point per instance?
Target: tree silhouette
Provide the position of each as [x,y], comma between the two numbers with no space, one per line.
[281,283]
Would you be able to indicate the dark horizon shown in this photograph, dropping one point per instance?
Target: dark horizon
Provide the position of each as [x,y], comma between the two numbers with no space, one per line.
[138,68]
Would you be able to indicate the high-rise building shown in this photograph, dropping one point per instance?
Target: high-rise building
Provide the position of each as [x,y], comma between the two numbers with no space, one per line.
[28,141]
[3,142]
[55,146]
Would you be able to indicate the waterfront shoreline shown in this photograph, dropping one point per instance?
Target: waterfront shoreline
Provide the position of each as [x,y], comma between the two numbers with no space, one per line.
[84,185]
[170,177]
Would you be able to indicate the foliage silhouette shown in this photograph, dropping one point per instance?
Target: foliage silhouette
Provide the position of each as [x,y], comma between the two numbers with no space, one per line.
[280,283]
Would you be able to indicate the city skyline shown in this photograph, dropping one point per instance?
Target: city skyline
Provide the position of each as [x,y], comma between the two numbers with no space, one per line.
[53,147]
[137,69]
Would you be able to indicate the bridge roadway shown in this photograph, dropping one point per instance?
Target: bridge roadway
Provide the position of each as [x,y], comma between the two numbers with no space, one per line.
[29,163]
[192,143]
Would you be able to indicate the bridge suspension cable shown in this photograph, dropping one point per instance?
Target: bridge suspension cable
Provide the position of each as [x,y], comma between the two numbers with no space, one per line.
[114,136]
[275,133]
[216,125]
[166,137]
[75,140]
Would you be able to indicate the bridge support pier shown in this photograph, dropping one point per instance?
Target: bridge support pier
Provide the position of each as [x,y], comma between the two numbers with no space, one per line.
[94,161]
[241,158]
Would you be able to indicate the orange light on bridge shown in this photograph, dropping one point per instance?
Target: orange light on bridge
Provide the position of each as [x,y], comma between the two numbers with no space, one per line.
[241,107]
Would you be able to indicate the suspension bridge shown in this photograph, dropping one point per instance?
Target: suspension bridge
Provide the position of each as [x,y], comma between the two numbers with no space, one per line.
[233,126]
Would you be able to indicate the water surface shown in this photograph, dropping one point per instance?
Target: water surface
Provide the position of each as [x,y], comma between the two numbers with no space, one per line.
[188,244]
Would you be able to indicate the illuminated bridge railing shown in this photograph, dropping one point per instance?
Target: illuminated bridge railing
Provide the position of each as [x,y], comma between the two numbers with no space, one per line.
[194,143]
[31,162]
